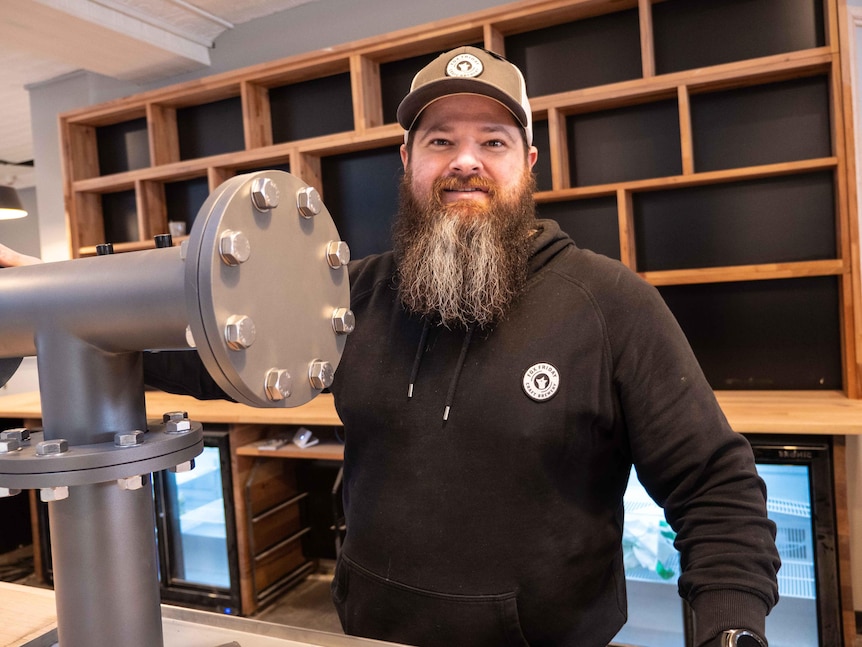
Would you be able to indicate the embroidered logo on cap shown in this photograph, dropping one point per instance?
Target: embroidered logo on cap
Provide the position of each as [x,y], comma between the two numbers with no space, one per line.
[541,381]
[464,65]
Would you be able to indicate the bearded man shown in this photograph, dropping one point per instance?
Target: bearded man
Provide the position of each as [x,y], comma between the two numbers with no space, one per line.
[497,389]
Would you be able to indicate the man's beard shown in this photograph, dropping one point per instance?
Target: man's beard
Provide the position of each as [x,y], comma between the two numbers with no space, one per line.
[463,262]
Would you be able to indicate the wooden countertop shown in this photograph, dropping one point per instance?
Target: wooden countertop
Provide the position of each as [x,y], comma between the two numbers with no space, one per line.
[320,411]
[779,412]
[26,615]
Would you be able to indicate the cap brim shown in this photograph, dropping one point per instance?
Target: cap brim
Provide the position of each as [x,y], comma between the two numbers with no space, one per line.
[415,102]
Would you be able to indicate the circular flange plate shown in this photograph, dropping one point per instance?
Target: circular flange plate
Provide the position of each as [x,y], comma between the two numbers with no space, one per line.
[285,288]
[99,462]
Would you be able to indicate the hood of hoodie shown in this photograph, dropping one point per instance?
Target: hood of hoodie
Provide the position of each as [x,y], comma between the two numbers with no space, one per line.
[547,243]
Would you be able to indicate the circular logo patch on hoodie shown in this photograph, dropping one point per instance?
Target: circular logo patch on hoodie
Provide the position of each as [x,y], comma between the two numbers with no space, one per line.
[541,381]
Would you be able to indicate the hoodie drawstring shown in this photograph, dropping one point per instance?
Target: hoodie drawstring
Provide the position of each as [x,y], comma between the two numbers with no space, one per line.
[417,362]
[454,384]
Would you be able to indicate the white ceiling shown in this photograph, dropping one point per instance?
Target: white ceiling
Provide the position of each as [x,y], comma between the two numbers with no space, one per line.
[132,40]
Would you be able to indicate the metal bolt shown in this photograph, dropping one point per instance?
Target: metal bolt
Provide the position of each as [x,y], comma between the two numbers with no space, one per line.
[50,447]
[343,321]
[277,384]
[308,202]
[337,254]
[7,492]
[320,374]
[188,466]
[48,494]
[21,434]
[239,332]
[129,438]
[132,482]
[234,247]
[264,194]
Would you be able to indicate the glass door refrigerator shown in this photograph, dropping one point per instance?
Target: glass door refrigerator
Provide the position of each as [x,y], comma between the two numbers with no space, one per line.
[196,530]
[800,500]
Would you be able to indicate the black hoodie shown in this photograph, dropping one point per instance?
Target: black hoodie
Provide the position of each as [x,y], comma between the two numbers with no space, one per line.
[502,524]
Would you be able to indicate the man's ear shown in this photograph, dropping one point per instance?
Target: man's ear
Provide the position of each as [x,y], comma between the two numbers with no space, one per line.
[404,156]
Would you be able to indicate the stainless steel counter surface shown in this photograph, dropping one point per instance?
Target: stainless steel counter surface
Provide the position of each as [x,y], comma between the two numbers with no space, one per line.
[28,619]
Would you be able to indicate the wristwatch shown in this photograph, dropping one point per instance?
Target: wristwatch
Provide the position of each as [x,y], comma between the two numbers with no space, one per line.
[741,638]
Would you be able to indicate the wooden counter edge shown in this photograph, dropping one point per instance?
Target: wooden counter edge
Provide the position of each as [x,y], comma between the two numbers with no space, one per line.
[761,412]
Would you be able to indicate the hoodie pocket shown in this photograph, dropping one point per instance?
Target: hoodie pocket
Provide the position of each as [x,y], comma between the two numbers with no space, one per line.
[374,607]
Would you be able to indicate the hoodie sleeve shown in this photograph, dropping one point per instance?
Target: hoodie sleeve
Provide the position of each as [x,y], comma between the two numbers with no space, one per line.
[181,372]
[690,461]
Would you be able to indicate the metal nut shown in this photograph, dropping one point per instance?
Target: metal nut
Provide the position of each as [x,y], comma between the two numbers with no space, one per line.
[7,492]
[175,415]
[277,384]
[21,434]
[132,482]
[188,466]
[320,374]
[9,445]
[177,426]
[234,247]
[343,321]
[129,438]
[239,332]
[51,447]
[264,194]
[337,254]
[48,494]
[308,202]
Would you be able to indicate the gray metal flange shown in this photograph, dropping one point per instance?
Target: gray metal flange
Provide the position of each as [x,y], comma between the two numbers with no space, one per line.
[267,290]
[37,463]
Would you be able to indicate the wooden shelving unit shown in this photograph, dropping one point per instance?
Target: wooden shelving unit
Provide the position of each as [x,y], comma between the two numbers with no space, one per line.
[722,164]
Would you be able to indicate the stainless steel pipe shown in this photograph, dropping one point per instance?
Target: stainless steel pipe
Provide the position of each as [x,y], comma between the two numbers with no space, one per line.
[260,289]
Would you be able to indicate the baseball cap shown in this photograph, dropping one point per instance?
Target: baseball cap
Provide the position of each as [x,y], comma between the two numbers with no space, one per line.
[468,70]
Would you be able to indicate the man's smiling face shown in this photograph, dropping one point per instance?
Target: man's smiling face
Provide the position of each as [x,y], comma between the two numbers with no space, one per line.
[464,149]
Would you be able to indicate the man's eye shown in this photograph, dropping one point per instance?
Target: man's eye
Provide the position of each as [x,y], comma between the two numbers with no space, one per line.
[495,143]
[439,141]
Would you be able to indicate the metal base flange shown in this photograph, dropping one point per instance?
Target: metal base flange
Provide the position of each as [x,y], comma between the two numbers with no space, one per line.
[24,468]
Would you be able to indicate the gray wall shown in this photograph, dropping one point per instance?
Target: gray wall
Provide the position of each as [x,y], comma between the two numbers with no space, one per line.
[309,27]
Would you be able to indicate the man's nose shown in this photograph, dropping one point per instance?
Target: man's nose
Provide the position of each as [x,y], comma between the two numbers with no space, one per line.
[466,160]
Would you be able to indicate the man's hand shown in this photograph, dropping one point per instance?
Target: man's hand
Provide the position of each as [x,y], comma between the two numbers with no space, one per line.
[10,258]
